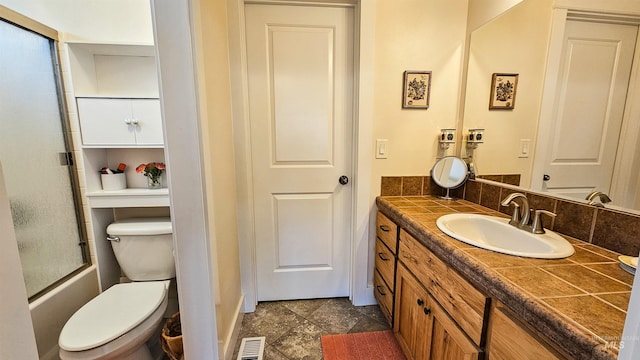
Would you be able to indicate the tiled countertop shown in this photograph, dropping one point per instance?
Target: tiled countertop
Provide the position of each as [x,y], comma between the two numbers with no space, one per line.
[579,302]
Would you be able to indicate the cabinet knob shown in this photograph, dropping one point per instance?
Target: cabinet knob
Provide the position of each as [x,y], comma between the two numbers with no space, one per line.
[380,255]
[427,311]
[134,121]
[127,121]
[420,302]
[384,228]
[379,288]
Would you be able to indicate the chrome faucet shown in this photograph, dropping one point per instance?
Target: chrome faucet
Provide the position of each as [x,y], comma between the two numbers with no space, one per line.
[521,218]
[604,198]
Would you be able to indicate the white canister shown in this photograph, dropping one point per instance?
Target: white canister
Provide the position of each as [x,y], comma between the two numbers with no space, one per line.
[112,182]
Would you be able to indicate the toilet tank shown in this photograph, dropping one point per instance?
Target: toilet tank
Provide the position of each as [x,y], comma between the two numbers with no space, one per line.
[143,248]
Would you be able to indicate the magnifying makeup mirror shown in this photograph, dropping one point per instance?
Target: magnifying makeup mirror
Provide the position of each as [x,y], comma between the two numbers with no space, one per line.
[450,172]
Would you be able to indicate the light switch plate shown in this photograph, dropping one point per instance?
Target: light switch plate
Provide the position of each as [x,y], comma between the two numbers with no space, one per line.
[525,148]
[382,148]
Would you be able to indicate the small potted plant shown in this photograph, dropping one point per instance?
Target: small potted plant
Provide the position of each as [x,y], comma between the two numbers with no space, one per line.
[153,171]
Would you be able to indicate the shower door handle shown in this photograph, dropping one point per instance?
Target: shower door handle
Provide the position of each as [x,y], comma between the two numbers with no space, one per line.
[113,238]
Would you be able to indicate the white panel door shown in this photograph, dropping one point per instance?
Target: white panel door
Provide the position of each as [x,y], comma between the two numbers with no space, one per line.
[300,66]
[593,83]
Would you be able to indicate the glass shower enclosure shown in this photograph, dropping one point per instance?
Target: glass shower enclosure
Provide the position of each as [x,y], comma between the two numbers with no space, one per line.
[34,153]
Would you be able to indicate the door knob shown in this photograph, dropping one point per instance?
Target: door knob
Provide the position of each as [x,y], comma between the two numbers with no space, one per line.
[343,180]
[546,177]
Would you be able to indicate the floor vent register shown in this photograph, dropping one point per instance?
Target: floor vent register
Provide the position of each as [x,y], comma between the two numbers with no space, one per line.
[251,348]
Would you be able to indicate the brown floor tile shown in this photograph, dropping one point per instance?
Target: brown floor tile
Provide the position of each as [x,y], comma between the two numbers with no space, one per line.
[293,328]
[303,307]
[301,342]
[336,316]
[270,320]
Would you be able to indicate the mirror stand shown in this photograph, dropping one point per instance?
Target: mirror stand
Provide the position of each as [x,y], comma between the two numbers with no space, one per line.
[450,172]
[447,196]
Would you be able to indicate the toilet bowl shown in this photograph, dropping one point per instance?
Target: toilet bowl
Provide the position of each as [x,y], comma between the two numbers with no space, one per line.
[118,323]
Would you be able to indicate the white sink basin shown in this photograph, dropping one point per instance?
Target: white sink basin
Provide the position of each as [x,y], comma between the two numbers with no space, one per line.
[494,233]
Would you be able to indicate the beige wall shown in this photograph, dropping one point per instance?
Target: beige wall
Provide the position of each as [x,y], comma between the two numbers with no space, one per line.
[119,21]
[515,42]
[415,35]
[483,11]
[212,51]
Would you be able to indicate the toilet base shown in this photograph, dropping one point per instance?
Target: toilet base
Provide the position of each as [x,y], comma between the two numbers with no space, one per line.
[142,353]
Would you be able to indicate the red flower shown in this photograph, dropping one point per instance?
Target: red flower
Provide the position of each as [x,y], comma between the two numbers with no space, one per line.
[152,170]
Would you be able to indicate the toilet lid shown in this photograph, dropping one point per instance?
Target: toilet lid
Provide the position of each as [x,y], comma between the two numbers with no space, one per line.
[111,314]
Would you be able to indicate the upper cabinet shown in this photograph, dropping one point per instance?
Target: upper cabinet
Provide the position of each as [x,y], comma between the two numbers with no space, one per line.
[114,90]
[110,122]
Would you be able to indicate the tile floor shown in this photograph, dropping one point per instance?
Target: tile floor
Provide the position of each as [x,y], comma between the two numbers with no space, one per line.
[293,328]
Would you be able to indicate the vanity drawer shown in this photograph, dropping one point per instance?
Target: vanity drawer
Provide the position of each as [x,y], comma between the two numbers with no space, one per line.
[460,299]
[424,264]
[385,262]
[387,231]
[384,295]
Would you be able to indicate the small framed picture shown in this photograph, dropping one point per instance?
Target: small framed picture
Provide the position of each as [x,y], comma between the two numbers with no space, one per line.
[417,86]
[503,91]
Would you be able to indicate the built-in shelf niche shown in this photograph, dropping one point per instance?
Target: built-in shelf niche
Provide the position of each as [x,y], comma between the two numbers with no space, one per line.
[136,193]
[108,70]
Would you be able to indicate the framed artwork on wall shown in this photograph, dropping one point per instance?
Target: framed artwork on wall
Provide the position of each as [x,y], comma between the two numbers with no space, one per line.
[503,91]
[416,89]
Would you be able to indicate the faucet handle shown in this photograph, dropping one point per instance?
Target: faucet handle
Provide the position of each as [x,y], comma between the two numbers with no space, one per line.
[537,227]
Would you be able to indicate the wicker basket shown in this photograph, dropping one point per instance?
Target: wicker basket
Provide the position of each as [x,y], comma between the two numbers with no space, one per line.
[171,338]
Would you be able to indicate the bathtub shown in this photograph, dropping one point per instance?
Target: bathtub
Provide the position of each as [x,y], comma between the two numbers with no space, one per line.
[50,312]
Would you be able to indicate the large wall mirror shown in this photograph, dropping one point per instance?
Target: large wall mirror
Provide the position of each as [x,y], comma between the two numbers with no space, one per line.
[575,119]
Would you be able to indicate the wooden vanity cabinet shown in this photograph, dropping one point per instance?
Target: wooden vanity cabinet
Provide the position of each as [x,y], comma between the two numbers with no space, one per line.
[510,339]
[437,314]
[459,298]
[385,264]
[422,327]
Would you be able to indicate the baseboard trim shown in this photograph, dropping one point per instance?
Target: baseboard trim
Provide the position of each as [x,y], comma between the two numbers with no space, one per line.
[227,345]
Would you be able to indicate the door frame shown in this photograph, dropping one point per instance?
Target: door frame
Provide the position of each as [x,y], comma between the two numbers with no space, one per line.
[361,292]
[623,178]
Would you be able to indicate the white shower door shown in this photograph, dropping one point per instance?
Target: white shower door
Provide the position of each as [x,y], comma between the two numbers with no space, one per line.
[32,147]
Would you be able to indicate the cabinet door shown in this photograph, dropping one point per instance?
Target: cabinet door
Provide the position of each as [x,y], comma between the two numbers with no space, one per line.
[447,340]
[146,113]
[410,320]
[508,339]
[104,121]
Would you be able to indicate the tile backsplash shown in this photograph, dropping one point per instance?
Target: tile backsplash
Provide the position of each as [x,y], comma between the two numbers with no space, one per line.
[611,229]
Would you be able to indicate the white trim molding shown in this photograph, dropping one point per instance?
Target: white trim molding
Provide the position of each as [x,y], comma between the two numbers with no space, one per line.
[173,31]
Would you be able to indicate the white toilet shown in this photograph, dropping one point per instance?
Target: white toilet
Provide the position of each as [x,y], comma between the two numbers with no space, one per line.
[117,323]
